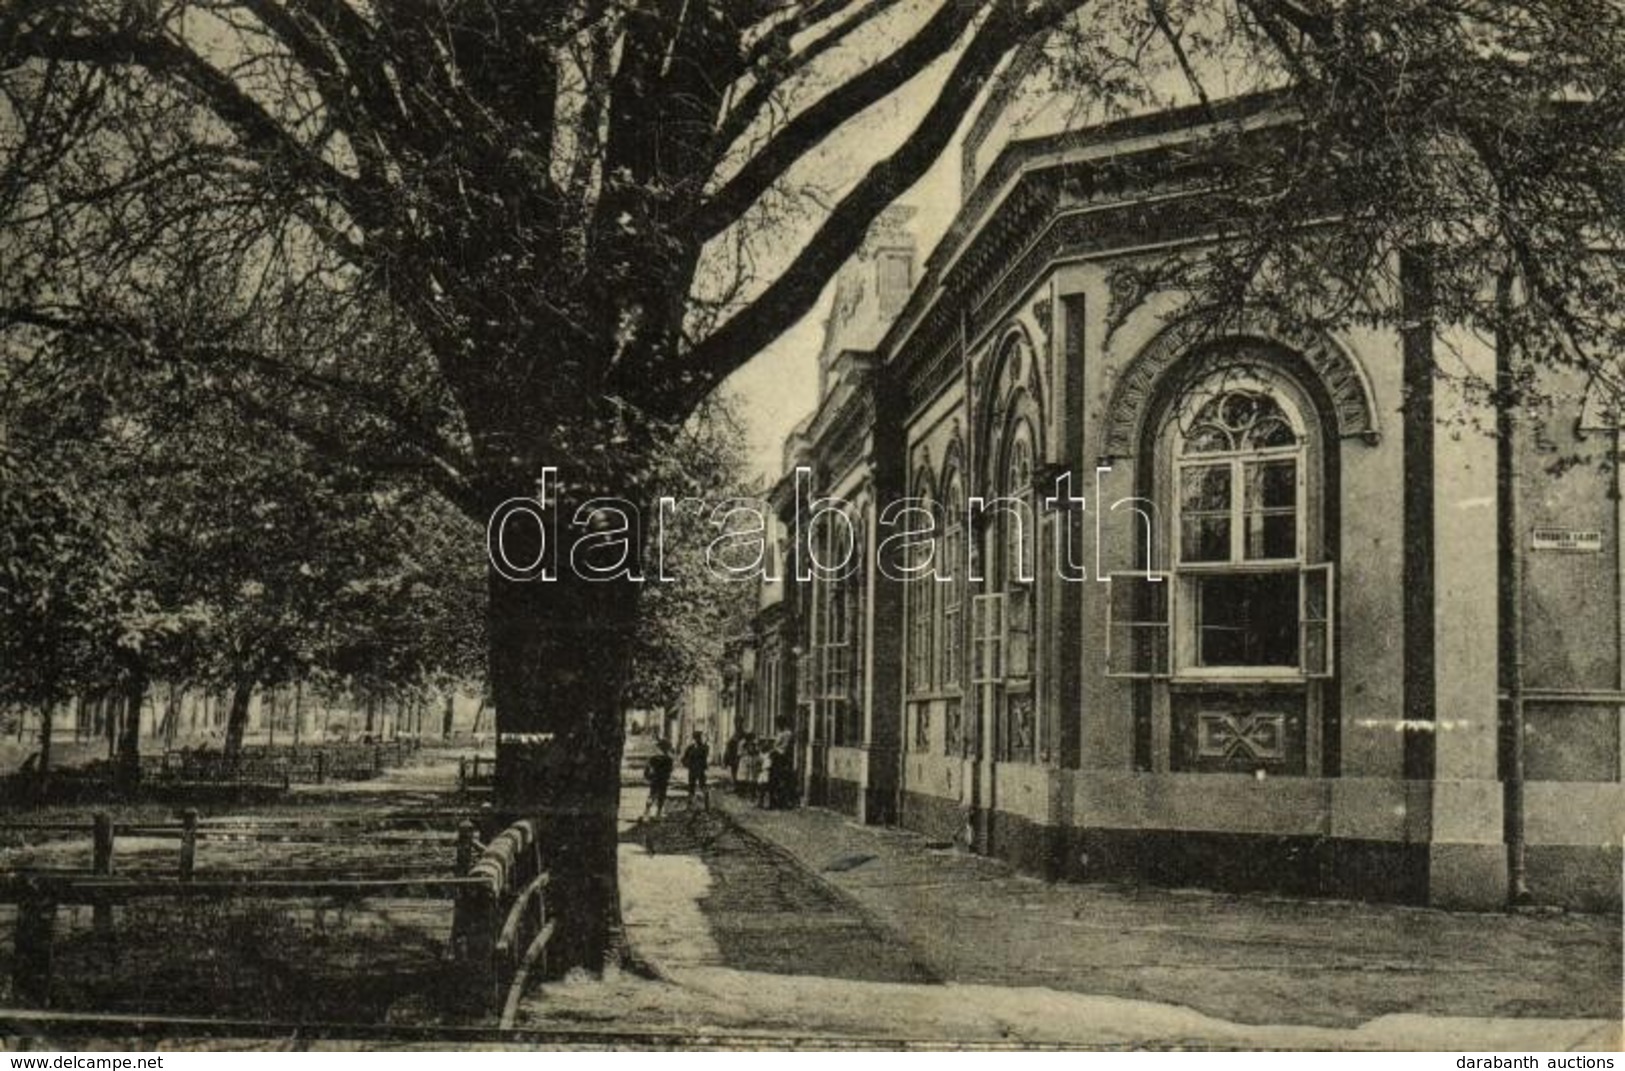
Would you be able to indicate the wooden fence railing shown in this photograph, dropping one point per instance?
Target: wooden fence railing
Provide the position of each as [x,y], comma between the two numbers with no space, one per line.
[502,929]
[297,764]
[500,926]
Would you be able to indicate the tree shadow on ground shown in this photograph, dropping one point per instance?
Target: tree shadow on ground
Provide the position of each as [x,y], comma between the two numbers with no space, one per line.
[380,962]
[768,914]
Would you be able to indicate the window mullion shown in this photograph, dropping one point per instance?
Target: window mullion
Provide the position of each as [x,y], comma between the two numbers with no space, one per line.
[1301,464]
[1238,513]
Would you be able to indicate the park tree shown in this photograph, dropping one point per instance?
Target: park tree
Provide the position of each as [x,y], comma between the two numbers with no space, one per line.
[282,567]
[64,566]
[413,622]
[155,534]
[712,587]
[570,221]
[86,612]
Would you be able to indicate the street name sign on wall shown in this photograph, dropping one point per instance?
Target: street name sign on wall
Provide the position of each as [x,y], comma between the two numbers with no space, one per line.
[1570,539]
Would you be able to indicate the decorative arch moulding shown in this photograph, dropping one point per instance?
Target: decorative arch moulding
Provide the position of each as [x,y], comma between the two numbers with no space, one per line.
[1007,375]
[1317,355]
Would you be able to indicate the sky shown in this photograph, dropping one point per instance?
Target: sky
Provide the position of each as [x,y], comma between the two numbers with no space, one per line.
[779,387]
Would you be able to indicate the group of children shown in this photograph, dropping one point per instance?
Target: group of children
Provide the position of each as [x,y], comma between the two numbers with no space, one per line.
[749,764]
[766,769]
[760,770]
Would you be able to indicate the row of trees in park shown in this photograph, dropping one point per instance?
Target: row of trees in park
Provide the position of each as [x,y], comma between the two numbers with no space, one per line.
[154,533]
[466,240]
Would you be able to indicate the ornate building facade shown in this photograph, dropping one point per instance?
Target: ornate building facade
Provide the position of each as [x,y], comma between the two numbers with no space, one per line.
[1255,643]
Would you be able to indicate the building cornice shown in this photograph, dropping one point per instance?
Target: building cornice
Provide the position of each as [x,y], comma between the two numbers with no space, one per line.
[1079,189]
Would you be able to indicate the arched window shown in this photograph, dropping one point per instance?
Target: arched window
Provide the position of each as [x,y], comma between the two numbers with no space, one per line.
[1018,542]
[1240,618]
[1240,496]
[1004,654]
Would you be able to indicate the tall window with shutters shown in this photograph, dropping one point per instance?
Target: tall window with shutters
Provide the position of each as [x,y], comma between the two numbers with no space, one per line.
[1017,724]
[840,646]
[920,669]
[921,602]
[950,600]
[1241,619]
[1245,598]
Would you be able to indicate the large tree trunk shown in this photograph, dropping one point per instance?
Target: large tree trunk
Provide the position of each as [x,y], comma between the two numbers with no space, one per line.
[127,769]
[558,658]
[237,723]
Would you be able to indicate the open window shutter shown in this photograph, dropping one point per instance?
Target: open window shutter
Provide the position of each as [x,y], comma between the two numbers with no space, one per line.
[1315,583]
[1139,623]
[987,630]
[997,618]
[978,626]
[1018,626]
[931,636]
[916,654]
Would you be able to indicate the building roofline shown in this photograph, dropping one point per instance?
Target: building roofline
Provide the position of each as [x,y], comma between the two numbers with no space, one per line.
[1022,158]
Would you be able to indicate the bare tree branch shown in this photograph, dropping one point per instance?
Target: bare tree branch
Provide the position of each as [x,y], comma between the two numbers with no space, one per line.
[814,123]
[768,76]
[796,289]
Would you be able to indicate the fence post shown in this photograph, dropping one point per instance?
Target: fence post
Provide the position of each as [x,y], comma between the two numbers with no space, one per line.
[32,952]
[101,831]
[101,864]
[321,767]
[188,843]
[473,937]
[465,847]
[377,757]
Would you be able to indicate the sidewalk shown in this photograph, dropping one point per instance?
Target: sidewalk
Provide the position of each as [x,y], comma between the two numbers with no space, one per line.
[1245,959]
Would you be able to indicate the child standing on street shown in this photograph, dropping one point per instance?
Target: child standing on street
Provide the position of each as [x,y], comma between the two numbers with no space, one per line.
[658,774]
[696,759]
